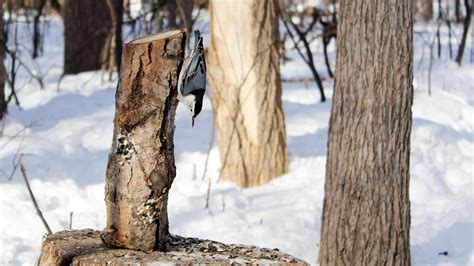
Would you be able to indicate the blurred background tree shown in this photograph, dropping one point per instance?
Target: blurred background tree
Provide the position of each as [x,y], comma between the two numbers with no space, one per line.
[249,116]
[87,25]
[244,73]
[3,102]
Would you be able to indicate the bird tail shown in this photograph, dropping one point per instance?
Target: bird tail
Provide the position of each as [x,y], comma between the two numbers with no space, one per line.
[197,40]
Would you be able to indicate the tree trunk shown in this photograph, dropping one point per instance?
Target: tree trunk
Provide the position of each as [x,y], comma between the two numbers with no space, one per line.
[185,11]
[84,248]
[425,9]
[467,22]
[112,52]
[37,43]
[3,101]
[141,166]
[366,214]
[87,25]
[244,74]
[457,10]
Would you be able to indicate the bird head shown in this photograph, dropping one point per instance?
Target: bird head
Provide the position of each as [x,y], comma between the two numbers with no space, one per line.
[196,105]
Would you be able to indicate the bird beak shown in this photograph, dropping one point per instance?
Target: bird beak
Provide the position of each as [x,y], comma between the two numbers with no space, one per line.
[193,121]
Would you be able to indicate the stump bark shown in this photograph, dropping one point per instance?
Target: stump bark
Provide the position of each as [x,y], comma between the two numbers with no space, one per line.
[85,248]
[141,165]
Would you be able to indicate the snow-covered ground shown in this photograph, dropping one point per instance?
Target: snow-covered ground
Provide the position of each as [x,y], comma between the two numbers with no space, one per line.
[66,135]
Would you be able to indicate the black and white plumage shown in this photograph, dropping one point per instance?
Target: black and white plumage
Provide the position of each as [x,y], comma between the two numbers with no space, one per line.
[192,78]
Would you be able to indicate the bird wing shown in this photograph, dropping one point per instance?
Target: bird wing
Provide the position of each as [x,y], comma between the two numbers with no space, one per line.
[194,75]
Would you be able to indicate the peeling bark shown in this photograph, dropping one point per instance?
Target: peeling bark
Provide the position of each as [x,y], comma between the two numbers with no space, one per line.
[244,73]
[366,213]
[141,165]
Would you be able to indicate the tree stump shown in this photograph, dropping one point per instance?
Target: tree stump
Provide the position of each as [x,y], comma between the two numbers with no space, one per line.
[141,166]
[84,247]
[140,172]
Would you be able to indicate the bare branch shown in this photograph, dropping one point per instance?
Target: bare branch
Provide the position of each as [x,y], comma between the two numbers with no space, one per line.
[70,220]
[467,22]
[308,59]
[211,144]
[33,199]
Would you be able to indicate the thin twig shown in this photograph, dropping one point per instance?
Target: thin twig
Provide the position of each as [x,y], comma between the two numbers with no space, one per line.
[308,59]
[208,195]
[223,200]
[430,67]
[33,199]
[70,220]
[239,88]
[14,136]
[438,34]
[467,22]
[211,144]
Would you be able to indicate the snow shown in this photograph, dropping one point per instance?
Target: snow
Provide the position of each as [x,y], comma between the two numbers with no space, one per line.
[66,136]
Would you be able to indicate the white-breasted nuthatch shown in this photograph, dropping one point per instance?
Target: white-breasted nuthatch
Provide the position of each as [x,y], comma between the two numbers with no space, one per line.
[192,78]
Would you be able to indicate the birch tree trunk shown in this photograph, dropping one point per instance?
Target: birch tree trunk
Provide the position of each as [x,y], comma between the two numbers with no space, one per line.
[141,165]
[366,214]
[244,74]
[87,25]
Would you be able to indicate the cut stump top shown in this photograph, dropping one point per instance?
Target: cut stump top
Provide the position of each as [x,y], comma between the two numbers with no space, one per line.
[158,36]
[84,247]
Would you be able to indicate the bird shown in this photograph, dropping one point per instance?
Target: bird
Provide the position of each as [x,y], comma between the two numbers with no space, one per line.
[192,78]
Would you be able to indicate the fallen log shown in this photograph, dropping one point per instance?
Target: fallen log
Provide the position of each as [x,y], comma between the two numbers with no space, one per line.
[85,248]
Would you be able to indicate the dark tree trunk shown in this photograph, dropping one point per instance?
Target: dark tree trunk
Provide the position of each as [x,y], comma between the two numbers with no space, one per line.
[185,8]
[118,33]
[467,22]
[326,58]
[36,29]
[172,11]
[366,213]
[457,10]
[438,33]
[3,101]
[55,5]
[112,52]
[87,25]
[141,166]
[329,32]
